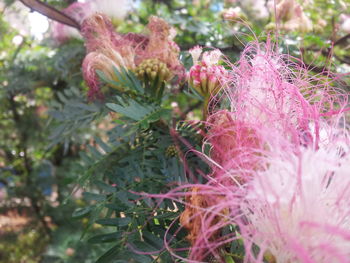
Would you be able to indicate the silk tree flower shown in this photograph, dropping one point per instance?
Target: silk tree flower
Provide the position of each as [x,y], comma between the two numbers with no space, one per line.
[114,9]
[297,209]
[107,50]
[283,122]
[267,87]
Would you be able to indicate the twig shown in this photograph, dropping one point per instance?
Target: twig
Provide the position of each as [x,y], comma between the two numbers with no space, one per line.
[51,12]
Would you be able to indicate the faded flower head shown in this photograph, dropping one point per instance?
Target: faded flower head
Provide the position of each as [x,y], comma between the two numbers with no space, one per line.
[106,50]
[130,51]
[234,144]
[291,16]
[195,218]
[105,64]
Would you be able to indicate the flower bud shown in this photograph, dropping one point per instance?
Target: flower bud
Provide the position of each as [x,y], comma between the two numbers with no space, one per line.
[206,75]
[161,46]
[171,151]
[206,80]
[149,69]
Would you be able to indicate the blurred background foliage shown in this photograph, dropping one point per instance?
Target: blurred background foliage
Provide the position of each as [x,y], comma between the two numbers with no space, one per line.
[66,163]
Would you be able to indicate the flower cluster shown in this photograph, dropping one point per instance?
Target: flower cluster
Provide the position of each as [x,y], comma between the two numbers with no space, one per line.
[206,75]
[280,163]
[153,68]
[108,50]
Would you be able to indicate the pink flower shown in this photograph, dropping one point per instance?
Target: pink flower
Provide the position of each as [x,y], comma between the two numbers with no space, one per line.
[286,164]
[280,163]
[206,75]
[297,208]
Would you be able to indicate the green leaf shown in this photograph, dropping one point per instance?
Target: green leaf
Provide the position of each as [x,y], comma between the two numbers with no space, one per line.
[105,187]
[153,240]
[109,255]
[122,196]
[105,79]
[133,110]
[102,144]
[87,107]
[229,259]
[94,197]
[80,212]
[94,152]
[144,247]
[128,79]
[124,221]
[86,159]
[104,238]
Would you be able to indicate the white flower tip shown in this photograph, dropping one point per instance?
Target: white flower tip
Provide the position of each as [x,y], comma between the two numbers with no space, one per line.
[212,57]
[195,53]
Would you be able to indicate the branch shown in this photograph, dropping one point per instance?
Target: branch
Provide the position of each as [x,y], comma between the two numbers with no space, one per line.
[51,12]
[342,40]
